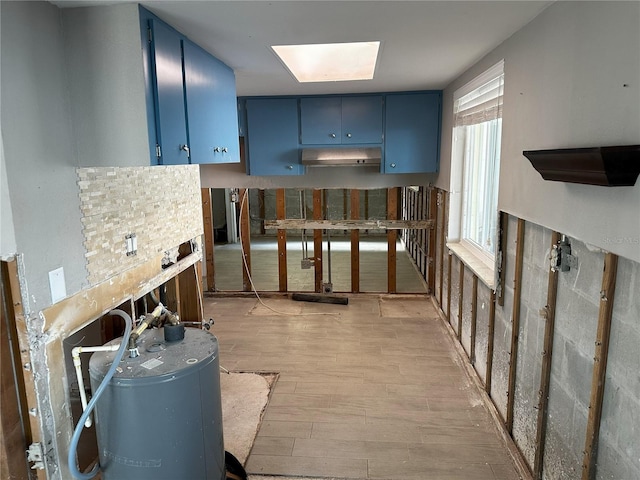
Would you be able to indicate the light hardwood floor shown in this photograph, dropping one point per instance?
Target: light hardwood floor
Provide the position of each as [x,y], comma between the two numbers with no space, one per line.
[371,390]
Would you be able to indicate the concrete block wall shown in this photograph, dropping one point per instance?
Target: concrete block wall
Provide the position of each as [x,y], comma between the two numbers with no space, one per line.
[577,312]
[160,204]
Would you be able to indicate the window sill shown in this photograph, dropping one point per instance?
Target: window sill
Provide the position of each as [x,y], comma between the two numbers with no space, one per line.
[484,272]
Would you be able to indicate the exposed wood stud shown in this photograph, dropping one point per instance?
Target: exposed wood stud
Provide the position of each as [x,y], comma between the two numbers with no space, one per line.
[474,318]
[449,261]
[207,220]
[282,241]
[460,298]
[431,248]
[603,333]
[317,241]
[245,239]
[490,338]
[515,324]
[262,205]
[355,243]
[443,196]
[545,375]
[392,235]
[349,224]
[502,252]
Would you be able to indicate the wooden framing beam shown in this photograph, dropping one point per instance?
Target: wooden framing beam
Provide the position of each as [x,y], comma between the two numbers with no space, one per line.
[207,220]
[18,430]
[282,242]
[545,375]
[261,206]
[431,246]
[443,196]
[515,324]
[392,236]
[490,337]
[450,260]
[603,333]
[317,241]
[355,243]
[460,298]
[348,224]
[474,319]
[503,222]
[245,239]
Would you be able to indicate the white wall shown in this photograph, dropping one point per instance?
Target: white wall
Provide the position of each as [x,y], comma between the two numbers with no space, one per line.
[38,147]
[564,77]
[108,111]
[8,245]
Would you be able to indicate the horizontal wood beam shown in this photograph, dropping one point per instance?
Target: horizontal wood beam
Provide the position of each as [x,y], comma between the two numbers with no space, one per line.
[298,223]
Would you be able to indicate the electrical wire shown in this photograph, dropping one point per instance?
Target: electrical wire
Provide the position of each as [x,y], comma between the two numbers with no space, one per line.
[246,268]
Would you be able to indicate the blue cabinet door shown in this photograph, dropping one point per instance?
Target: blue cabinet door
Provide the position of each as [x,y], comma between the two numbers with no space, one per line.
[341,120]
[212,115]
[362,119]
[412,133]
[170,115]
[272,134]
[320,120]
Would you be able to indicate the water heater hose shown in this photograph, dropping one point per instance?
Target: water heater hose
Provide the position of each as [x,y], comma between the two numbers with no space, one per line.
[73,447]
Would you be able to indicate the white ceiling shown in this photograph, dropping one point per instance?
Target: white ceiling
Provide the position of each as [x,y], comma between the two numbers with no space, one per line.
[425,44]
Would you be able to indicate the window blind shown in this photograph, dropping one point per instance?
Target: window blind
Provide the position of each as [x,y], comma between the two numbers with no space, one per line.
[480,105]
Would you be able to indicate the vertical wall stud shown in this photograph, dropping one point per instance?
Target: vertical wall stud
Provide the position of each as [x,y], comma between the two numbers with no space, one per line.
[317,241]
[603,334]
[545,376]
[282,241]
[431,247]
[474,318]
[502,252]
[392,235]
[245,239]
[515,324]
[262,205]
[460,298]
[207,220]
[443,196]
[355,242]
[490,336]
[449,261]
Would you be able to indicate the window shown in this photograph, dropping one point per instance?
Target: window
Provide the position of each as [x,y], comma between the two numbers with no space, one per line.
[477,134]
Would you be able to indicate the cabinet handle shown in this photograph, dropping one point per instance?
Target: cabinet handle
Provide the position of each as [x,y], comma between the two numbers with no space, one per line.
[348,135]
[185,148]
[393,165]
[216,149]
[289,167]
[332,135]
[225,149]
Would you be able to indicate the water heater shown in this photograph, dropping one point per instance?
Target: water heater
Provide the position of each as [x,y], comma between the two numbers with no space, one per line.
[160,417]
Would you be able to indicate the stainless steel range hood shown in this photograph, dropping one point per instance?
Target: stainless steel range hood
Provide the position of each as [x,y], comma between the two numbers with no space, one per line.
[331,157]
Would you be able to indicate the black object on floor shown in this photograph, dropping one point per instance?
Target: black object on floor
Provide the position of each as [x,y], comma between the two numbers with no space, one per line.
[235,470]
[310,297]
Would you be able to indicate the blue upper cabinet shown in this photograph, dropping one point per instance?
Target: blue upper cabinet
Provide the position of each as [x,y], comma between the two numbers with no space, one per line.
[212,114]
[412,132]
[195,112]
[341,120]
[170,115]
[272,136]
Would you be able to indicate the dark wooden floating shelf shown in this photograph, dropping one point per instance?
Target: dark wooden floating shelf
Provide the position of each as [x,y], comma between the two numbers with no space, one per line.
[617,166]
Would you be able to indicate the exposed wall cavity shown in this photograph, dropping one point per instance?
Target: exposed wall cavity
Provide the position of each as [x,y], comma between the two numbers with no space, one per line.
[578,309]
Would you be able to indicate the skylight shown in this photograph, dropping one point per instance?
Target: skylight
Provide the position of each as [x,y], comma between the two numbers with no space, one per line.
[330,62]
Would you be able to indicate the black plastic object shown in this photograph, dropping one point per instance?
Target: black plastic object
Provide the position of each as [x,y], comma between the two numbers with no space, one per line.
[173,333]
[309,297]
[617,166]
[233,467]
